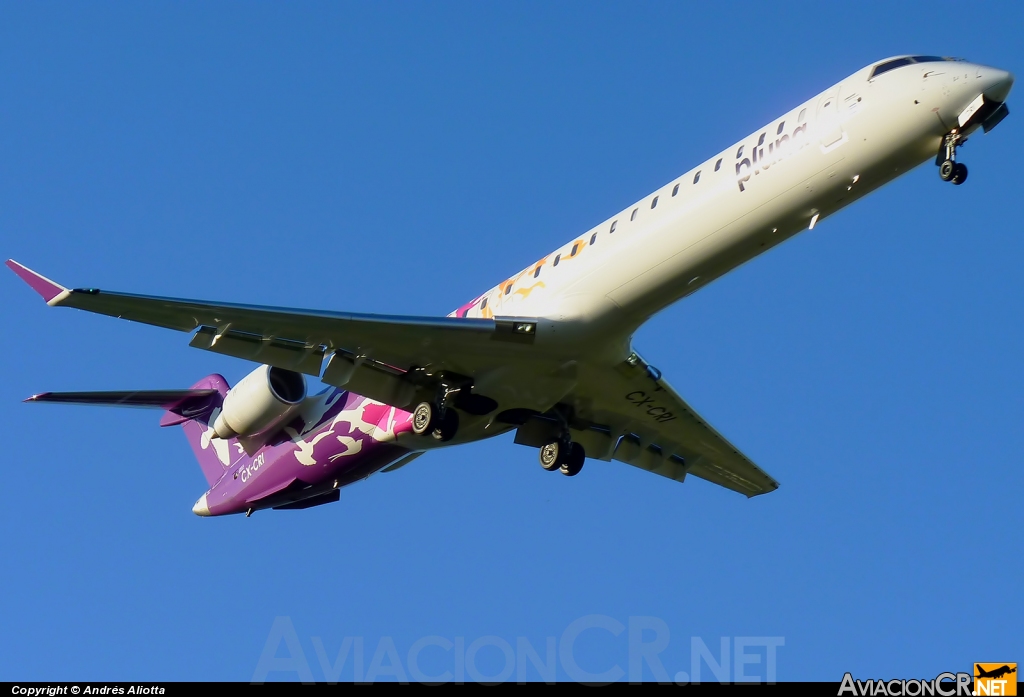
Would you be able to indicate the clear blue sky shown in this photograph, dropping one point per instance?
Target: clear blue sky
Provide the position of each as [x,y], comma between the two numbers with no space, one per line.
[404,157]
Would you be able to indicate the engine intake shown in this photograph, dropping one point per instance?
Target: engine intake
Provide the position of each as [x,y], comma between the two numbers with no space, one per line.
[261,402]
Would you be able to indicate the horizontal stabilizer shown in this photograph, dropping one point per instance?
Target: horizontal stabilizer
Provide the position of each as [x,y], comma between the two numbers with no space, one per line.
[158,399]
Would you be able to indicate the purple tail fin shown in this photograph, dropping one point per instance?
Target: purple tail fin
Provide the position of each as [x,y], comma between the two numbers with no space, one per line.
[215,455]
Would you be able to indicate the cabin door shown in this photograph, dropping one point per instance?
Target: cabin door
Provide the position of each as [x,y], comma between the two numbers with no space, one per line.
[830,132]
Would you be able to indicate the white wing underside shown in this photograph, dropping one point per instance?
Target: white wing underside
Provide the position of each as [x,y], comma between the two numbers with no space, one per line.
[640,420]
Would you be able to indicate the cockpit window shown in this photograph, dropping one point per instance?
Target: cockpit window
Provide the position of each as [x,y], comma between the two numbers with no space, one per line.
[900,62]
[890,65]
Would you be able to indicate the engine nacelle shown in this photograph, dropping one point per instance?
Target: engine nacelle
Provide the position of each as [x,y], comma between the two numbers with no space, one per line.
[262,400]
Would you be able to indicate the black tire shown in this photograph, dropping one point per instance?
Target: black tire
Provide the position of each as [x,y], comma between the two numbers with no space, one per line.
[574,461]
[424,417]
[551,456]
[447,427]
[959,173]
[946,170]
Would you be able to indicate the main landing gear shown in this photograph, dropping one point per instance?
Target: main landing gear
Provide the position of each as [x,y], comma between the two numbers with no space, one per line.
[949,169]
[563,455]
[441,424]
[438,418]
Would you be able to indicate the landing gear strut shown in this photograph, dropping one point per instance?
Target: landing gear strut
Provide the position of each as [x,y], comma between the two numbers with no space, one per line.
[563,455]
[437,418]
[949,169]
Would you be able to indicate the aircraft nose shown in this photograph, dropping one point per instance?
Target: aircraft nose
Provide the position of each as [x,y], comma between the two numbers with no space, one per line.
[996,83]
[201,507]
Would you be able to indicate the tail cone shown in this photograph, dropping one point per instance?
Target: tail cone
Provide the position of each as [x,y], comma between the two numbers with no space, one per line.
[201,508]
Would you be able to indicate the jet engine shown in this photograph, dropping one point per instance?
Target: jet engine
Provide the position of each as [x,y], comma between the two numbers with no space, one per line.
[264,399]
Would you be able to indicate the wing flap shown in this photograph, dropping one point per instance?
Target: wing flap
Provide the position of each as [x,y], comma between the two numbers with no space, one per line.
[653,458]
[754,483]
[275,351]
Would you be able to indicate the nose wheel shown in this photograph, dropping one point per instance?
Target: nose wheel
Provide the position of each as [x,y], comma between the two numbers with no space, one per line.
[949,169]
[955,172]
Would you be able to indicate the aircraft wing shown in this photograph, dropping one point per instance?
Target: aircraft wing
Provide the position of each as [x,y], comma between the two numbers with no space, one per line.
[370,354]
[631,414]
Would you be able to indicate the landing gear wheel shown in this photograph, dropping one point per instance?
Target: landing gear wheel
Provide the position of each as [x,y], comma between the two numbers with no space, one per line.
[959,173]
[551,456]
[574,460]
[446,427]
[947,170]
[423,418]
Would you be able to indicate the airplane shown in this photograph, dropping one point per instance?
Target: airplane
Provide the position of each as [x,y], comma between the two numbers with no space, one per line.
[996,672]
[547,352]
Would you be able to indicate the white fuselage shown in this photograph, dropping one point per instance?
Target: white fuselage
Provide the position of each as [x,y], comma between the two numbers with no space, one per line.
[595,291]
[783,178]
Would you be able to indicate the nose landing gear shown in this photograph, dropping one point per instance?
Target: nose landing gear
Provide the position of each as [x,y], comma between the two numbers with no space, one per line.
[949,169]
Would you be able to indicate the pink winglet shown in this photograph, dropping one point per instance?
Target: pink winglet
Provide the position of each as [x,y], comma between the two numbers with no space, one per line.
[40,284]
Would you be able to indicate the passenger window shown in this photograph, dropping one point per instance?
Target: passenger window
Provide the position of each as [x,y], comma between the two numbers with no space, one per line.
[483,303]
[633,215]
[612,229]
[536,271]
[557,257]
[675,189]
[718,165]
[782,126]
[739,153]
[593,238]
[654,202]
[508,289]
[575,248]
[696,177]
[760,141]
